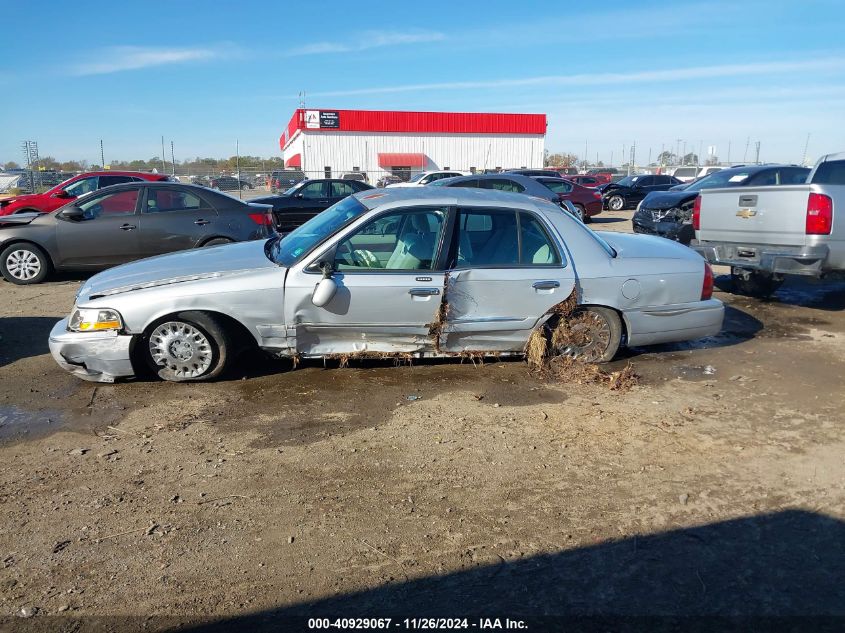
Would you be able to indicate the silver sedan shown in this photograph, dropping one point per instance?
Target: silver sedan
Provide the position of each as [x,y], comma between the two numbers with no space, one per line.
[402,272]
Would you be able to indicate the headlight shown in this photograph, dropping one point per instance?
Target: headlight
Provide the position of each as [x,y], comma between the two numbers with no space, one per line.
[94,320]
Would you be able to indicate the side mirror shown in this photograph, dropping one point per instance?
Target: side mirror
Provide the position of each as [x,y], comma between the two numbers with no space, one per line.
[61,193]
[325,290]
[299,195]
[73,213]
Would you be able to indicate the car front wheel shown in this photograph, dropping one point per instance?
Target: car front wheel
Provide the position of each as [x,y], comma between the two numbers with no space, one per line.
[616,203]
[24,264]
[591,334]
[190,346]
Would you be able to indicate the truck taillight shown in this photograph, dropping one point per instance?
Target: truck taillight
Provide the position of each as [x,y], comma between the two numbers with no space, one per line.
[696,214]
[819,214]
[707,286]
[262,219]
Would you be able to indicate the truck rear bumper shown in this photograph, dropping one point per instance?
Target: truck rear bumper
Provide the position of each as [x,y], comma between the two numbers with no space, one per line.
[788,260]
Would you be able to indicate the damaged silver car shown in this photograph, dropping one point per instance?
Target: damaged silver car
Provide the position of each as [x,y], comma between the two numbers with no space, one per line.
[409,273]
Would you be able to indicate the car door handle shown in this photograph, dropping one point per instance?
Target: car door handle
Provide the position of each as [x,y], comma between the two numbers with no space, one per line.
[546,285]
[202,222]
[127,227]
[424,292]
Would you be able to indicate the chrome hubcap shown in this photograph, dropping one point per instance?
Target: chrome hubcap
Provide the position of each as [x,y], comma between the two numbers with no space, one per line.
[586,337]
[23,264]
[182,348]
[616,203]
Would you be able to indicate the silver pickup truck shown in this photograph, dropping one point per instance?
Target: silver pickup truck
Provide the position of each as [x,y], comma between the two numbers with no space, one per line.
[764,233]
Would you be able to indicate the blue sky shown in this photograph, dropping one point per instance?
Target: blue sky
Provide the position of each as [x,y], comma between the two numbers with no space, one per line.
[608,74]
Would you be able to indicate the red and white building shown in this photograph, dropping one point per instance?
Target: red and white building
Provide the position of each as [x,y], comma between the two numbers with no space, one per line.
[334,142]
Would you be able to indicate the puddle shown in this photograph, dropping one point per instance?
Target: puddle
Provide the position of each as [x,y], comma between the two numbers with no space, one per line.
[310,403]
[17,423]
[695,372]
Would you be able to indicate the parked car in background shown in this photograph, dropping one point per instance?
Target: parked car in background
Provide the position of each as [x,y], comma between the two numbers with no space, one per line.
[669,213]
[586,201]
[229,183]
[591,182]
[388,179]
[303,201]
[564,171]
[630,190]
[284,179]
[358,176]
[71,189]
[122,223]
[426,178]
[369,276]
[516,183]
[706,171]
[534,172]
[605,174]
[767,230]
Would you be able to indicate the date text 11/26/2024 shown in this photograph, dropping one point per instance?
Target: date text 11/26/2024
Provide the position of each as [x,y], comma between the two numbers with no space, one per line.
[431,624]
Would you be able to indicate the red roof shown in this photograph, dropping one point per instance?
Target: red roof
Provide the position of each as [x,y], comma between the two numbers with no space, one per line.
[415,122]
[294,161]
[388,160]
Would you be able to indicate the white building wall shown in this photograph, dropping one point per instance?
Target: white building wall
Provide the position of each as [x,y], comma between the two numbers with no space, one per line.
[343,151]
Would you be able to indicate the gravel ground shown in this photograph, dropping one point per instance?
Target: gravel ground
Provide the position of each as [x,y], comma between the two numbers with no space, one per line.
[714,487]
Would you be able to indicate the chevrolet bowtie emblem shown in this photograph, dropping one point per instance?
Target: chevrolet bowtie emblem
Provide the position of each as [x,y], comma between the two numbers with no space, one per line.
[746,213]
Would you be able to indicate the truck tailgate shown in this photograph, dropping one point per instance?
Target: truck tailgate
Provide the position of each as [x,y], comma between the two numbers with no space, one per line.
[755,215]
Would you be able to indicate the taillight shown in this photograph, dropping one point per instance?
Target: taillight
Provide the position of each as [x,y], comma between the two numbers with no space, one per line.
[696,215]
[707,286]
[819,214]
[262,219]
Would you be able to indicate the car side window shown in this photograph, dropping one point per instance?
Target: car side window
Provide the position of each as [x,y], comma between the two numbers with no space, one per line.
[645,181]
[764,178]
[81,187]
[405,240]
[342,189]
[108,181]
[487,238]
[501,184]
[793,176]
[111,204]
[312,191]
[163,200]
[536,249]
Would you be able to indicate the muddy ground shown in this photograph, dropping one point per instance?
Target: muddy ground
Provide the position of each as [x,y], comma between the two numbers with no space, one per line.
[716,486]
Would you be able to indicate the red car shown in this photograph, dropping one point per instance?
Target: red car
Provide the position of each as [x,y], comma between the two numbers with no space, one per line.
[586,201]
[71,189]
[591,181]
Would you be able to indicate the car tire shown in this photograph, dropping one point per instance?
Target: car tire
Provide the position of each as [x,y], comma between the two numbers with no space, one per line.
[616,203]
[592,334]
[217,241]
[188,347]
[24,264]
[582,213]
[758,284]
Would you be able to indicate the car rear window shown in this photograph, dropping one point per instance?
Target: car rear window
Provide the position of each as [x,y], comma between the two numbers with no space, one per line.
[830,172]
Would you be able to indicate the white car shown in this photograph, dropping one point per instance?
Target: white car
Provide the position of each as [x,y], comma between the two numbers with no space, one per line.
[426,178]
[691,172]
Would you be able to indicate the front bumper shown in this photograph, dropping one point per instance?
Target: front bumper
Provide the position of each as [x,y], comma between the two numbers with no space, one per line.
[96,356]
[788,260]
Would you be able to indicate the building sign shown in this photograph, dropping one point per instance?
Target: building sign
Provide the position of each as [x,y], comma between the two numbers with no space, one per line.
[329,119]
[322,119]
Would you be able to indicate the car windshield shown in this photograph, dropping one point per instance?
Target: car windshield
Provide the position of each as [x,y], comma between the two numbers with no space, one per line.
[295,188]
[719,179]
[558,185]
[292,247]
[418,177]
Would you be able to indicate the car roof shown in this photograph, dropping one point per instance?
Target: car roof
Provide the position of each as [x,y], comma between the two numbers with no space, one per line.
[756,169]
[373,198]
